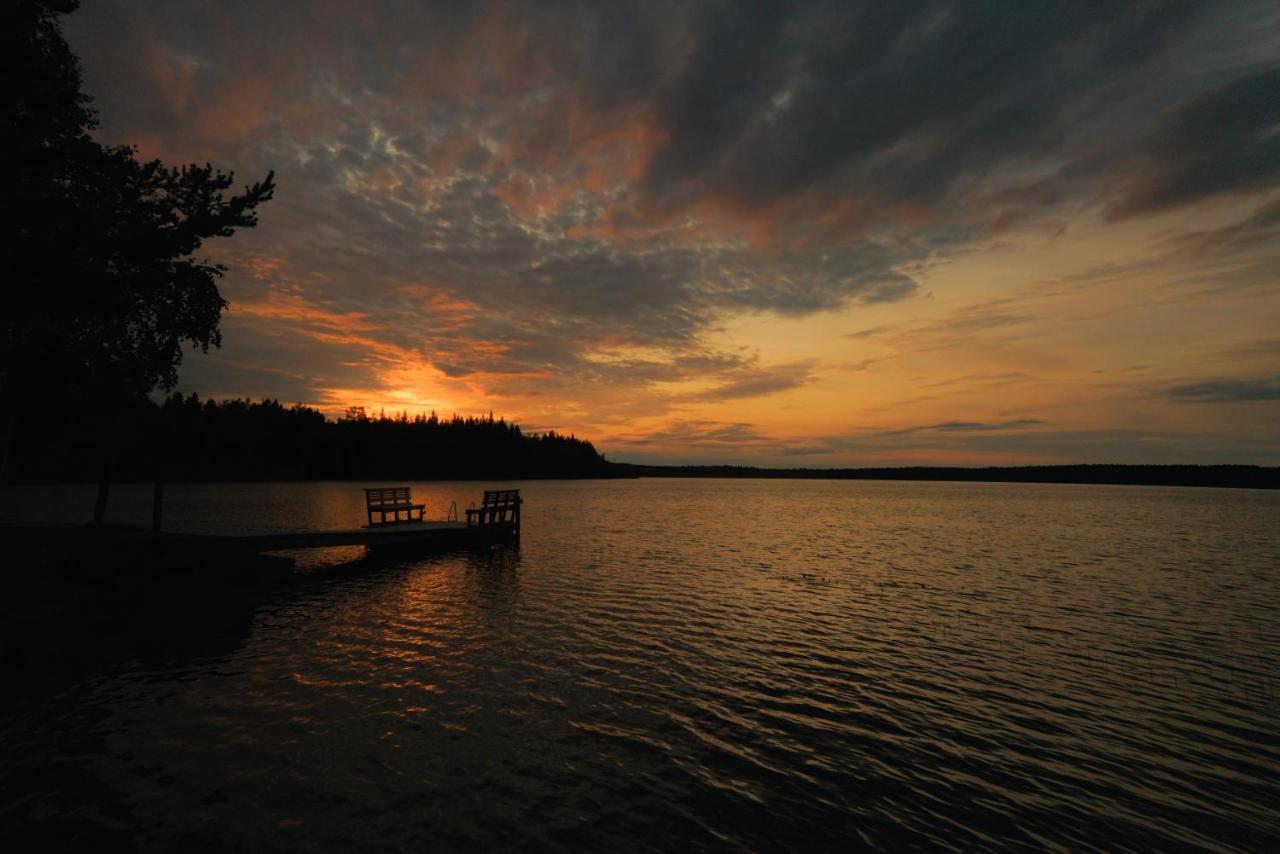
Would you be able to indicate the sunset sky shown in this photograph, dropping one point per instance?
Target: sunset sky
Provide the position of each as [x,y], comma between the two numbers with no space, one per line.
[799,234]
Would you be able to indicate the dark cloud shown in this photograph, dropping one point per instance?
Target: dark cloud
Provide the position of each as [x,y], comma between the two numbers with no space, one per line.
[1225,141]
[761,382]
[1227,390]
[900,103]
[1252,350]
[853,112]
[700,435]
[966,427]
[520,194]
[994,320]
[1211,265]
[1259,230]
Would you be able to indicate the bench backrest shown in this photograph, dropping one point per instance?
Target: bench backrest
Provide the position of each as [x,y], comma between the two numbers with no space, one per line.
[494,497]
[387,495]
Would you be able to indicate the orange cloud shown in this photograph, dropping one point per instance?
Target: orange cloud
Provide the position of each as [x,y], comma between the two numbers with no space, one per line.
[292,307]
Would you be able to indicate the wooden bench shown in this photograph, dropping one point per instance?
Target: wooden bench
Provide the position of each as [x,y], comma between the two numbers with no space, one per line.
[499,507]
[394,500]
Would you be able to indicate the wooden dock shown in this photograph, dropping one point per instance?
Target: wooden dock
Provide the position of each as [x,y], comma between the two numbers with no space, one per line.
[401,535]
[496,520]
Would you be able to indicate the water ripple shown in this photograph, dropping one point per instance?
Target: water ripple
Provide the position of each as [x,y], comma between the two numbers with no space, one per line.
[721,665]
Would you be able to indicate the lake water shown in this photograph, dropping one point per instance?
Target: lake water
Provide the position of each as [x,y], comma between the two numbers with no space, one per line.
[702,664]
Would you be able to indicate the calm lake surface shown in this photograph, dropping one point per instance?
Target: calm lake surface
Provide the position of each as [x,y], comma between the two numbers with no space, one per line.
[701,664]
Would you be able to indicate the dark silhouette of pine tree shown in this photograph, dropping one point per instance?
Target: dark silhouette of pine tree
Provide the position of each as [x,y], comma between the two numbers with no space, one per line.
[107,285]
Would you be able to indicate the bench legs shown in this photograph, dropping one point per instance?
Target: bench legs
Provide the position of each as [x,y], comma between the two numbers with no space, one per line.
[411,514]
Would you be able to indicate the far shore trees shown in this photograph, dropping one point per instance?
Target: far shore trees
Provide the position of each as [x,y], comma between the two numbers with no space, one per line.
[107,288]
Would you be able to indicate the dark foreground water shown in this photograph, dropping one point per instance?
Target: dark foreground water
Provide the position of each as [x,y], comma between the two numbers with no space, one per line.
[677,665]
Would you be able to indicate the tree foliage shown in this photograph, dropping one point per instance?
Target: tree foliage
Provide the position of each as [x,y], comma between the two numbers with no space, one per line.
[186,438]
[109,285]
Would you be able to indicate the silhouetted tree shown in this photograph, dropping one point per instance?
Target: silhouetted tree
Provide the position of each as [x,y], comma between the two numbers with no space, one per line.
[108,285]
[244,440]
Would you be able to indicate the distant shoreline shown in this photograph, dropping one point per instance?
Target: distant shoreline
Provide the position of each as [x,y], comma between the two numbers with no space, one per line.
[186,440]
[1219,476]
[1214,476]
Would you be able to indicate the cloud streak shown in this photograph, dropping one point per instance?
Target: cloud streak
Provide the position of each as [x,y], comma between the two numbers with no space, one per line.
[1228,390]
[966,427]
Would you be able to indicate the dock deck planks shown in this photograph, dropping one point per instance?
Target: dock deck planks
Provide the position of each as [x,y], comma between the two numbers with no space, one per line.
[497,520]
[400,534]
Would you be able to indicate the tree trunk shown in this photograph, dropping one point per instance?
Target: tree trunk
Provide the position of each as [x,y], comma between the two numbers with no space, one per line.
[10,425]
[157,505]
[111,434]
[163,448]
[104,489]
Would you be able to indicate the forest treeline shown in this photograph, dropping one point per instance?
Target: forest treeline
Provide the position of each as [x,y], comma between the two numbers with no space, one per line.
[185,438]
[189,439]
